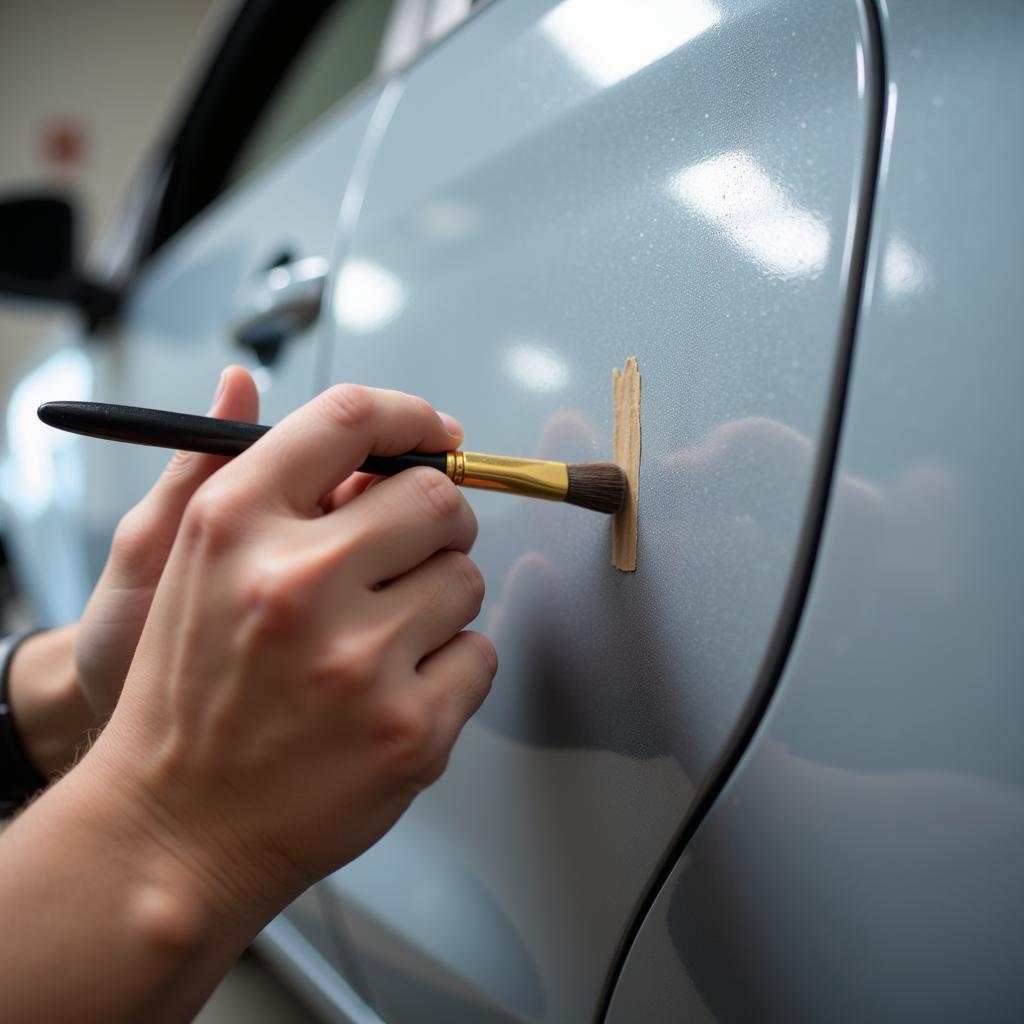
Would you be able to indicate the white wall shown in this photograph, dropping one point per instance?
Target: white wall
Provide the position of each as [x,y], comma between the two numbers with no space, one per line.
[116,66]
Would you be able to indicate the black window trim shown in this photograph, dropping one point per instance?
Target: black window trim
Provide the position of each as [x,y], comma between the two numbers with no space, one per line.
[184,174]
[256,50]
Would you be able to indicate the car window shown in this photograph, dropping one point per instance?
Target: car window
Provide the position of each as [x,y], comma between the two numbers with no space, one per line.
[340,54]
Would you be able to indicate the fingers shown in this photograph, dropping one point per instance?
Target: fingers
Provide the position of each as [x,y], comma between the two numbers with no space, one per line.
[399,523]
[354,485]
[147,532]
[351,487]
[433,602]
[459,675]
[315,448]
[452,683]
[236,399]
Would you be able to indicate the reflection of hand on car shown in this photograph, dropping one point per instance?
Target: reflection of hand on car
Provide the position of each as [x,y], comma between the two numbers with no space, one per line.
[721,510]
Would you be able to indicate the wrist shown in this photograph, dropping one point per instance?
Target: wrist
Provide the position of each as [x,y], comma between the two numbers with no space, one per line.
[126,910]
[166,907]
[204,861]
[53,718]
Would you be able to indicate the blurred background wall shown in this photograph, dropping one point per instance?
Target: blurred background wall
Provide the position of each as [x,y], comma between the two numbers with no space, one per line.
[85,87]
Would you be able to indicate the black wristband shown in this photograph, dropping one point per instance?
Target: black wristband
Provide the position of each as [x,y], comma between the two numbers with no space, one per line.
[19,777]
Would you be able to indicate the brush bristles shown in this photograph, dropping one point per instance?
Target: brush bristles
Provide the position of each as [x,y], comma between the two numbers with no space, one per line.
[599,486]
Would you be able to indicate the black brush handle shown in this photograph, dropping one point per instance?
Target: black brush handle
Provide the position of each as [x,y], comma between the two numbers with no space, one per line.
[161,429]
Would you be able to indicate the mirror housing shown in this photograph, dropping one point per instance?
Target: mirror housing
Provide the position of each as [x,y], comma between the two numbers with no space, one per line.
[37,257]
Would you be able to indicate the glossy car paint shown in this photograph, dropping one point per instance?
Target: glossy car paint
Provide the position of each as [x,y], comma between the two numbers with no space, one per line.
[864,862]
[562,186]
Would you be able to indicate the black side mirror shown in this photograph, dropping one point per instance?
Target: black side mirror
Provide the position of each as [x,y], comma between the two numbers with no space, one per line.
[37,257]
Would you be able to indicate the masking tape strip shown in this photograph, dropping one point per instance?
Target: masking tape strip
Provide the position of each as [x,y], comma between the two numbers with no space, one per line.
[626,410]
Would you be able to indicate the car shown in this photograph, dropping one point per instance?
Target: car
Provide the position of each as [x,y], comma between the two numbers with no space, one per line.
[776,773]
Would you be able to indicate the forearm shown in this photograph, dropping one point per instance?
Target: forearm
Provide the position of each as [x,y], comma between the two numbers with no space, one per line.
[102,920]
[52,716]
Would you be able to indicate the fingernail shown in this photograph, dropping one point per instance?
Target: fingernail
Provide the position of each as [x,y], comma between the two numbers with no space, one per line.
[452,425]
[221,384]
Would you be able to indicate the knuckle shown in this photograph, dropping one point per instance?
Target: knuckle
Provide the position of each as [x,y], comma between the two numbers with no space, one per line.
[422,408]
[403,729]
[433,769]
[357,663]
[211,515]
[270,595]
[348,406]
[133,532]
[437,493]
[347,549]
[486,655]
[180,464]
[471,526]
[469,576]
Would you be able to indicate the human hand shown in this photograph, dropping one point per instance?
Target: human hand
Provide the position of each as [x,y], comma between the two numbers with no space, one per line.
[110,627]
[303,672]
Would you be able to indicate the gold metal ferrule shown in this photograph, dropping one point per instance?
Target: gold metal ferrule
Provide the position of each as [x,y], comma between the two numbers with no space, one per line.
[534,478]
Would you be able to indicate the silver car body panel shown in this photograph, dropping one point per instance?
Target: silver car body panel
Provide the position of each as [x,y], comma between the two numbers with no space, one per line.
[302,965]
[864,861]
[562,186]
[547,190]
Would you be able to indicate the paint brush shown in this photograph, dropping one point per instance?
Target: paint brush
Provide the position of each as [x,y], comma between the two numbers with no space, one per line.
[598,486]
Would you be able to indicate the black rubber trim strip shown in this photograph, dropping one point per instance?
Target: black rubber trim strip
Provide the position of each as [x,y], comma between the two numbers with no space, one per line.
[257,50]
[800,581]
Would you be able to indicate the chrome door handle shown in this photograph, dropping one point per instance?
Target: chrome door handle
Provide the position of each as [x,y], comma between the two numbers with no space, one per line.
[280,303]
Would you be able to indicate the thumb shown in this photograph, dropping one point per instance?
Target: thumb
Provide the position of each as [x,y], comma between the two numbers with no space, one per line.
[236,398]
[149,529]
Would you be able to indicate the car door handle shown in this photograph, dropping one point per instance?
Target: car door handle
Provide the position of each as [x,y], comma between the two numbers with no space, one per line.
[278,304]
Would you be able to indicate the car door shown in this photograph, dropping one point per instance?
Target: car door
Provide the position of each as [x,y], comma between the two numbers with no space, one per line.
[264,233]
[562,186]
[228,215]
